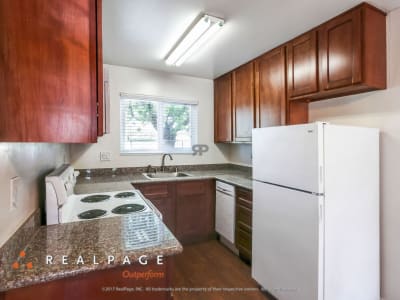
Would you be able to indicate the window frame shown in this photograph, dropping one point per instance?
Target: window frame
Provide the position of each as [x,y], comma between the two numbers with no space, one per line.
[170,100]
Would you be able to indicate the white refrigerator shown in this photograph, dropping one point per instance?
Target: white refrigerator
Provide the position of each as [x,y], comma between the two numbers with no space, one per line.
[316,212]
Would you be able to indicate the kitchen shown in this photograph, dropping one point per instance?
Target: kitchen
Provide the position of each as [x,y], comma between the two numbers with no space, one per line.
[136,37]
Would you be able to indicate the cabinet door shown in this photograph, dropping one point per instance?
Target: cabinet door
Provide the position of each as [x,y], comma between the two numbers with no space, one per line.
[340,51]
[163,197]
[101,118]
[243,102]
[270,87]
[48,70]
[223,108]
[302,65]
[195,209]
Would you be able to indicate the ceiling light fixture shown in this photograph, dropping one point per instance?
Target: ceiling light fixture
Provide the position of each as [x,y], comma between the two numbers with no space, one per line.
[198,34]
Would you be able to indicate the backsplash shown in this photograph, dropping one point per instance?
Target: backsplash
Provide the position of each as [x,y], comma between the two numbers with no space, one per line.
[240,154]
[170,168]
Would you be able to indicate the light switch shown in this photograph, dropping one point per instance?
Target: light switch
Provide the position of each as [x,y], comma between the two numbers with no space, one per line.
[105,156]
[15,183]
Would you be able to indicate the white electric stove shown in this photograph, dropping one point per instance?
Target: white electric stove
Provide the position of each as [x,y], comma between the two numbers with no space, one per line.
[63,206]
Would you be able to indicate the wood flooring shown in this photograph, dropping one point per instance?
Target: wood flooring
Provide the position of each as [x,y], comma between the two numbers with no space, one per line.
[211,265]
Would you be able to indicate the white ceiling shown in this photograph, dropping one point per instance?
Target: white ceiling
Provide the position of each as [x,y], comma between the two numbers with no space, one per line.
[139,33]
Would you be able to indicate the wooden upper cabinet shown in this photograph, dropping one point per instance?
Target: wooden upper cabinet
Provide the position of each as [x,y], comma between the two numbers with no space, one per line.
[243,102]
[223,108]
[100,97]
[340,51]
[353,52]
[345,55]
[270,88]
[302,65]
[50,68]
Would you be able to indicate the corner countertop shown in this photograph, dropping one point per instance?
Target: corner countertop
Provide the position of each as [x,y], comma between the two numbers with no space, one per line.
[101,237]
[108,183]
[116,236]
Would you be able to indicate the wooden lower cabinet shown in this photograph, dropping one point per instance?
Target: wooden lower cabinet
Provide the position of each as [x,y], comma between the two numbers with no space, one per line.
[243,227]
[99,285]
[195,210]
[162,195]
[188,207]
[243,242]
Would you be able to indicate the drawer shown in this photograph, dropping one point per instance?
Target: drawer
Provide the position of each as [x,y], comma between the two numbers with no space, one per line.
[190,188]
[245,194]
[154,190]
[244,203]
[243,242]
[244,253]
[244,215]
[244,227]
[244,197]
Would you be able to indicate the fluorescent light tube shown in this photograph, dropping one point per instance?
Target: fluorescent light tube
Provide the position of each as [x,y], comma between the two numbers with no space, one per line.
[198,35]
[200,42]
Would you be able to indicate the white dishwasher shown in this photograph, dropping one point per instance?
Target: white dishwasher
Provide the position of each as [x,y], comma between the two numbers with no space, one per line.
[225,211]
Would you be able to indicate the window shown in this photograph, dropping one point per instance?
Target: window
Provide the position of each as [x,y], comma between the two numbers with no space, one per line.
[155,125]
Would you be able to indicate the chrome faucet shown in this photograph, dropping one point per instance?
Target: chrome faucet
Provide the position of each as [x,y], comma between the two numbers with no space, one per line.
[163,161]
[149,168]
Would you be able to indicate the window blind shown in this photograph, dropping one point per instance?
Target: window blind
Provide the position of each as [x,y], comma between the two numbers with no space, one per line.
[156,125]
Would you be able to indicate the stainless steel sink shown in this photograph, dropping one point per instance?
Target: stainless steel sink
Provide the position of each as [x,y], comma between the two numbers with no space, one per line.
[165,175]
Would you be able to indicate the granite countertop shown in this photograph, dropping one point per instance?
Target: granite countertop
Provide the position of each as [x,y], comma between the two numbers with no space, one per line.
[109,183]
[116,236]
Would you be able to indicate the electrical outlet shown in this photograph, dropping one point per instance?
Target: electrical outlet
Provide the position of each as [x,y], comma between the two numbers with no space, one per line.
[14,191]
[105,156]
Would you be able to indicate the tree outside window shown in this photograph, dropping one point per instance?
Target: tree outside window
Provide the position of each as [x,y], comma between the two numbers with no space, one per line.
[157,125]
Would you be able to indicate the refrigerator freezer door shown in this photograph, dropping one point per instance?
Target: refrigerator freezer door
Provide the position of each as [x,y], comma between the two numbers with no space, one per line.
[287,242]
[290,156]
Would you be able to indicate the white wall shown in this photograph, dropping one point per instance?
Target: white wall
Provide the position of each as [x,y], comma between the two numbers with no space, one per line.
[240,154]
[30,162]
[138,81]
[382,110]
